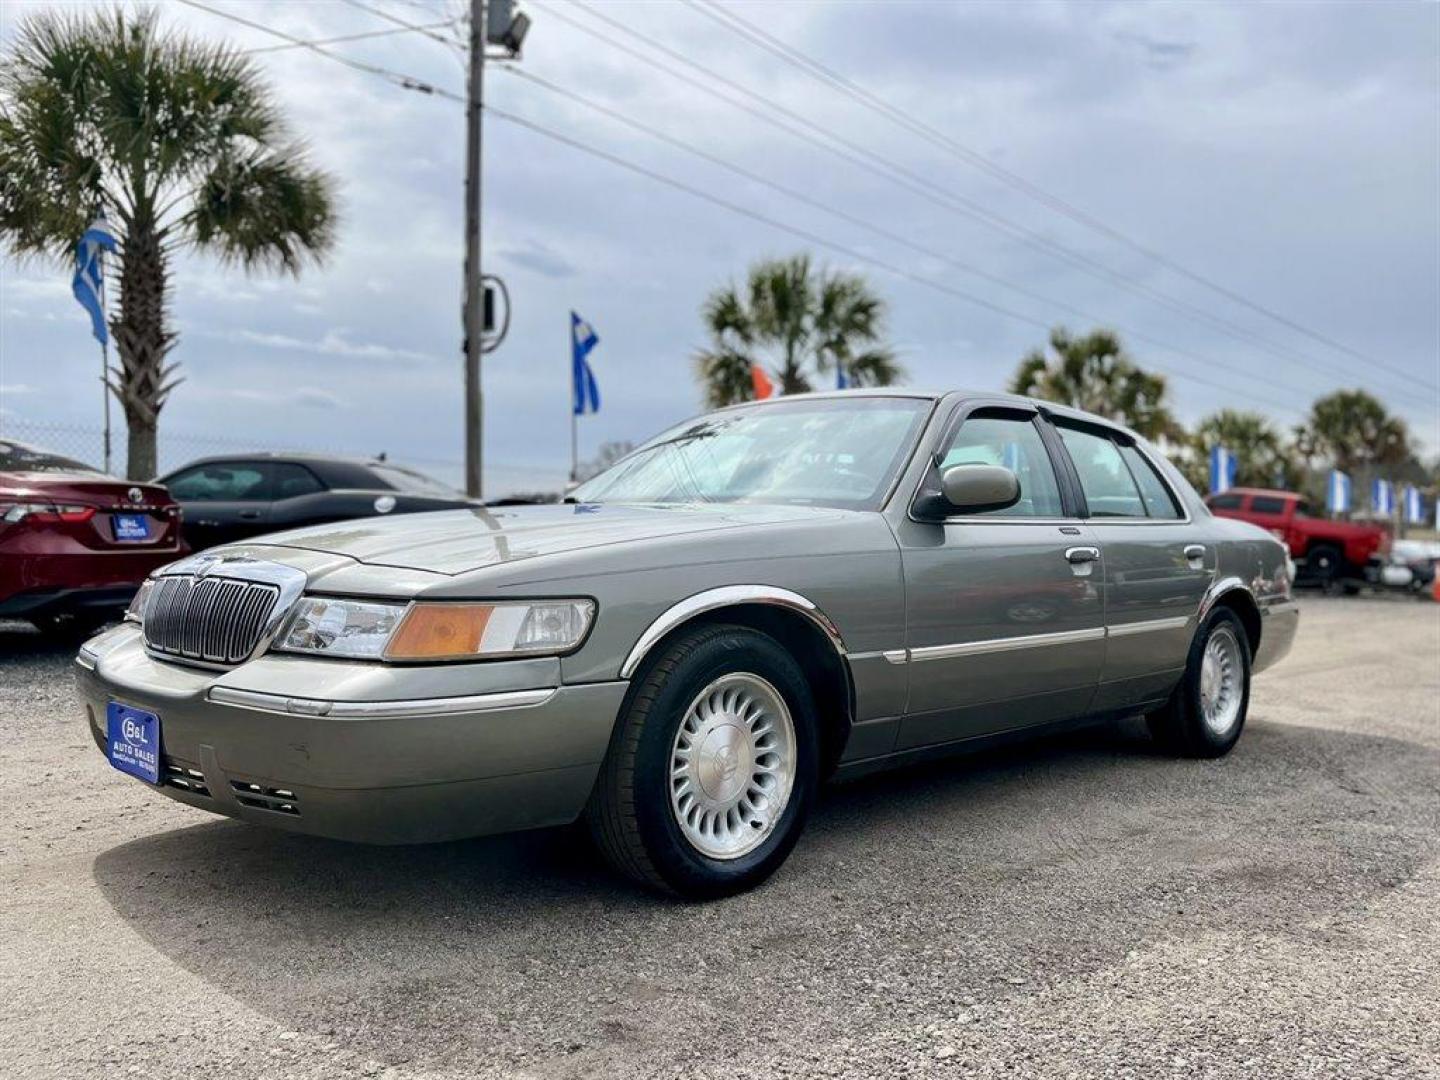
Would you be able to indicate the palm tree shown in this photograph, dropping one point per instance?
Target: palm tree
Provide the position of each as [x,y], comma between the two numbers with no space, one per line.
[796,323]
[1094,373]
[1261,458]
[180,143]
[1353,430]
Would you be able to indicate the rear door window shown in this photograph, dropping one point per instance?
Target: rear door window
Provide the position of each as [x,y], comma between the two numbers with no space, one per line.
[1159,502]
[1267,504]
[1224,502]
[1109,487]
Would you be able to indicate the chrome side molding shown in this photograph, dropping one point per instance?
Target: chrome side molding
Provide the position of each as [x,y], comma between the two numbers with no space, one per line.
[1032,641]
[376,710]
[1147,626]
[729,596]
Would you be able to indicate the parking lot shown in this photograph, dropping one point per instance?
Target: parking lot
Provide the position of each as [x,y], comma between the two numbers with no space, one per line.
[1077,907]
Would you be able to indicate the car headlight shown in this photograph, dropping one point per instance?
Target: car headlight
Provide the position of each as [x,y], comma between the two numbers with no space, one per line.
[356,629]
[136,611]
[368,630]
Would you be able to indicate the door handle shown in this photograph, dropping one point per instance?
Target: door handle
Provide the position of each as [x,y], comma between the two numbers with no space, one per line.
[249,515]
[1195,554]
[1077,555]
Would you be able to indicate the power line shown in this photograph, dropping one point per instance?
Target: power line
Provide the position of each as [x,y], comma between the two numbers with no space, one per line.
[817,70]
[408,82]
[921,185]
[870,226]
[405,82]
[343,38]
[818,240]
[426,31]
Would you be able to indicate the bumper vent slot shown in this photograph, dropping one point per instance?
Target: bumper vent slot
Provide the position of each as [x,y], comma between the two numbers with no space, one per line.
[186,777]
[214,619]
[262,797]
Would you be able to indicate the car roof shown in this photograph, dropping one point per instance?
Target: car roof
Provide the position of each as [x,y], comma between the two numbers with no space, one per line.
[1275,493]
[297,456]
[998,396]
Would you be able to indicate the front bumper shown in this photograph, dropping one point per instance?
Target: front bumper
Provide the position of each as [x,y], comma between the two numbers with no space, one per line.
[400,755]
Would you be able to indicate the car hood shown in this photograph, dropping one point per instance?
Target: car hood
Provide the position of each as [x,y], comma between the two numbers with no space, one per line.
[460,541]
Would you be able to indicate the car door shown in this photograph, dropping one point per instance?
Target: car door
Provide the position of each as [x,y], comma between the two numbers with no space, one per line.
[1157,564]
[223,501]
[1004,611]
[299,497]
[1270,512]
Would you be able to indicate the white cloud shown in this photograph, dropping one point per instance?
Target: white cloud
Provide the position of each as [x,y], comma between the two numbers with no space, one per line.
[333,343]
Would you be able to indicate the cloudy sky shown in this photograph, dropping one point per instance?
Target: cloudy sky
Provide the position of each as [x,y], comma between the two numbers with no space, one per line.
[1287,152]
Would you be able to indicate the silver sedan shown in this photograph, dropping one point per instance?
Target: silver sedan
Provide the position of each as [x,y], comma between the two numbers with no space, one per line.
[753,601]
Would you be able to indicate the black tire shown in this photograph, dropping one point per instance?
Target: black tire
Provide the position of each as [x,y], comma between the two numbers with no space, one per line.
[71,628]
[1179,726]
[630,815]
[1324,565]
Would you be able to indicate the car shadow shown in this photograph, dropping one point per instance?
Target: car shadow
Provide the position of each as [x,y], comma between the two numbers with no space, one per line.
[978,875]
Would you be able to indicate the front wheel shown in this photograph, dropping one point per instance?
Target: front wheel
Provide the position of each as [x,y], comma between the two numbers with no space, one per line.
[1206,713]
[713,766]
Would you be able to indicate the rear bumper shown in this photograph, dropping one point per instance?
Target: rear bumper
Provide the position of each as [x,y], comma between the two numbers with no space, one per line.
[388,772]
[35,583]
[46,601]
[1279,621]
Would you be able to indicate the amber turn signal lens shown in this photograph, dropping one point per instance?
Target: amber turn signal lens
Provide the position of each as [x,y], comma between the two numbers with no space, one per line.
[440,632]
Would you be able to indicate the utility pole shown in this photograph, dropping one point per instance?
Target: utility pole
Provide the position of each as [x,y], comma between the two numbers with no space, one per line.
[472,310]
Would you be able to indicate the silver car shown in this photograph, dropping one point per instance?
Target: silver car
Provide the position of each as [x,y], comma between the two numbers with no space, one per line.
[753,601]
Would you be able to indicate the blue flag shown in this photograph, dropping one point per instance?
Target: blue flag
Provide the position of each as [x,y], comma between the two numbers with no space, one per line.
[1223,469]
[582,379]
[1382,497]
[1337,493]
[1414,505]
[841,382]
[89,279]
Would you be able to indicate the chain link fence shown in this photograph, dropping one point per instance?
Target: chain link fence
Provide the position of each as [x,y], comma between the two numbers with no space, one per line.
[87,444]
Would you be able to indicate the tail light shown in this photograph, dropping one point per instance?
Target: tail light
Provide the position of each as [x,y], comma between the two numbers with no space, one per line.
[44,513]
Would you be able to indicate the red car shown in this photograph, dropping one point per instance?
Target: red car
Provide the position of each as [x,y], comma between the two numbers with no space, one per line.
[75,544]
[1328,552]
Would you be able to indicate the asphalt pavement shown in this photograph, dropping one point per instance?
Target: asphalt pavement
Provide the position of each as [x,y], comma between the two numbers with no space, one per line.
[1077,907]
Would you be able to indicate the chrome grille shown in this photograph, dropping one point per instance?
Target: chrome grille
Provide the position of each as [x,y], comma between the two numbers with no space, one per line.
[216,619]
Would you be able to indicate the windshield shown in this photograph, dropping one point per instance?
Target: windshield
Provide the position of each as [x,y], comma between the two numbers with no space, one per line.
[17,457]
[827,452]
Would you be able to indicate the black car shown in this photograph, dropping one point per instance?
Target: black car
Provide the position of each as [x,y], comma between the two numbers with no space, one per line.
[242,495]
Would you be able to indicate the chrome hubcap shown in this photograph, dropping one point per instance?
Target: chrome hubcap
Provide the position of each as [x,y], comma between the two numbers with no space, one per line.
[732,766]
[1221,681]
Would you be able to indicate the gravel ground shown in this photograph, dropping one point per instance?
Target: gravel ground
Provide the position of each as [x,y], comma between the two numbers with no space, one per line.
[1073,908]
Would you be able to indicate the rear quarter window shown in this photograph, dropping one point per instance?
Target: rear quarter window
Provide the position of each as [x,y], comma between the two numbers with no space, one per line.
[1267,504]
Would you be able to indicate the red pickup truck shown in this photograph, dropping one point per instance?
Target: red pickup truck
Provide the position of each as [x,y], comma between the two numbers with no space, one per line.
[1325,551]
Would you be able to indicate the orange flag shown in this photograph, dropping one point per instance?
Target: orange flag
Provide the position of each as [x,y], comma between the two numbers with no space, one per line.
[763,386]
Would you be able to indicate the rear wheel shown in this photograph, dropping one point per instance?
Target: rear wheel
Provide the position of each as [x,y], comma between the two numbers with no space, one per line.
[1206,713]
[1324,565]
[713,766]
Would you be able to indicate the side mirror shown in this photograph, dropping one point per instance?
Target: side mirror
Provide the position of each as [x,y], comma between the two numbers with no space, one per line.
[975,489]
